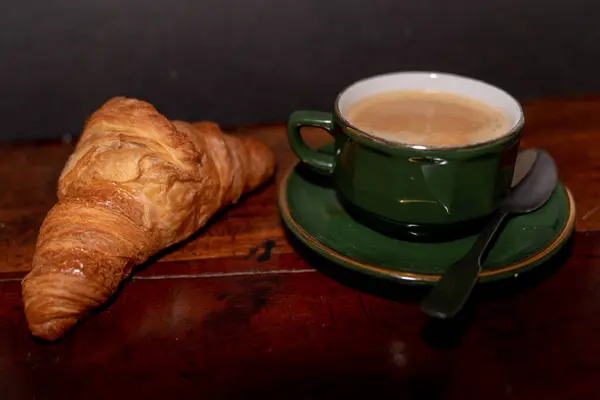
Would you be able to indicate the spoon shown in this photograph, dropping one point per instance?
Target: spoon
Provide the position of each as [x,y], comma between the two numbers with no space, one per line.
[535,177]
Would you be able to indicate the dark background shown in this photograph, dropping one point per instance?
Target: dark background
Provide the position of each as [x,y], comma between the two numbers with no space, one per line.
[253,61]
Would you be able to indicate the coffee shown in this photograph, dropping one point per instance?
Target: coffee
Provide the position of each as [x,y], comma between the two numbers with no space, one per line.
[428,118]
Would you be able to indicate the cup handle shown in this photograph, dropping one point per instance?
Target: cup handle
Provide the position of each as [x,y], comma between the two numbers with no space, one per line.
[319,162]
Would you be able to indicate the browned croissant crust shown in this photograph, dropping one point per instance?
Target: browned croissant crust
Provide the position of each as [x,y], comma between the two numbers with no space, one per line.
[135,184]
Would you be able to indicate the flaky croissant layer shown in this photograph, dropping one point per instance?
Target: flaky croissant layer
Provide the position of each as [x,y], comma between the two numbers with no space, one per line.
[136,183]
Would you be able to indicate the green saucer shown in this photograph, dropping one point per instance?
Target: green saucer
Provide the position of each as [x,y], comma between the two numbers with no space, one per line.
[312,211]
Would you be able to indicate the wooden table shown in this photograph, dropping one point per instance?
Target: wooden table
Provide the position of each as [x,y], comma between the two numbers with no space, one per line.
[238,312]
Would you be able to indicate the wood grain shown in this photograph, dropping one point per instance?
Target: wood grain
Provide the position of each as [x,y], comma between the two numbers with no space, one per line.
[307,335]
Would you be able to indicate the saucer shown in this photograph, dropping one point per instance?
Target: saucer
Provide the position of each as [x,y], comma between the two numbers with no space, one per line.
[312,211]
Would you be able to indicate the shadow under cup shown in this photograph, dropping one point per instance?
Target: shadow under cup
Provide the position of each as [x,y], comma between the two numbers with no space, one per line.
[411,190]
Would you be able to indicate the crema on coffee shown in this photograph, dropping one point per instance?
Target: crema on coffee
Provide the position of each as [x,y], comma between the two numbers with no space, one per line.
[428,118]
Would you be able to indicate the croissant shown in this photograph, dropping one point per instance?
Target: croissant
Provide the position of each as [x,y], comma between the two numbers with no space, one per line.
[136,183]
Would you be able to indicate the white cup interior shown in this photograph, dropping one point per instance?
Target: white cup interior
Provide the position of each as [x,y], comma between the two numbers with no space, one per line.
[434,81]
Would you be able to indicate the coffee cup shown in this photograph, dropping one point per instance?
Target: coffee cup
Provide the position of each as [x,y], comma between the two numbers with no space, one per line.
[418,150]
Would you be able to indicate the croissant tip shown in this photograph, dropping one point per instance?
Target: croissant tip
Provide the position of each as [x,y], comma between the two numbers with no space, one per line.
[52,330]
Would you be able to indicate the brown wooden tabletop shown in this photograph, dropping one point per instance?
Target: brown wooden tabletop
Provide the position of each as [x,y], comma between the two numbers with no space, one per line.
[240,310]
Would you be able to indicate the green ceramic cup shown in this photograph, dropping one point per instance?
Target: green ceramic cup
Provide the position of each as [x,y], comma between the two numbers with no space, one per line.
[420,187]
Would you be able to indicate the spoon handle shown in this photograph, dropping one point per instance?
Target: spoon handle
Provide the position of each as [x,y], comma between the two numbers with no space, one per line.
[454,287]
